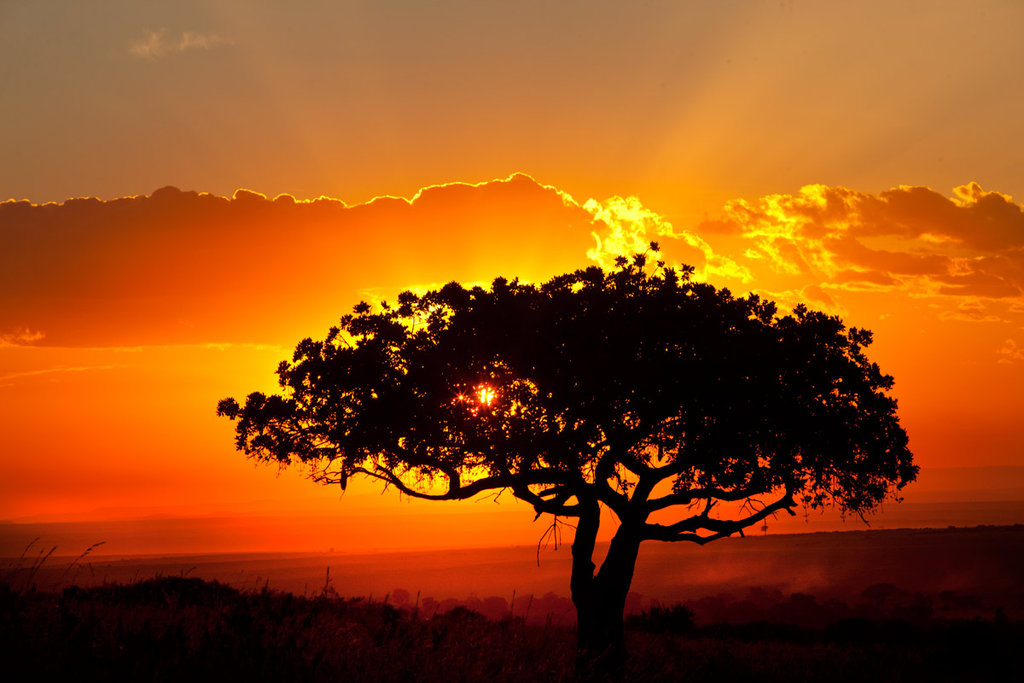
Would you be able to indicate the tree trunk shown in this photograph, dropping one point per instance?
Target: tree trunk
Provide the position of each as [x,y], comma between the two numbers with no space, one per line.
[600,601]
[600,641]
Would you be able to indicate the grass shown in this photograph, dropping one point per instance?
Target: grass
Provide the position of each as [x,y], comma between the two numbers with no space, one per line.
[175,628]
[178,628]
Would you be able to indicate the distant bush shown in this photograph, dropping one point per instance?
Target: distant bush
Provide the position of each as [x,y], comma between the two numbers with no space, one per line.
[661,619]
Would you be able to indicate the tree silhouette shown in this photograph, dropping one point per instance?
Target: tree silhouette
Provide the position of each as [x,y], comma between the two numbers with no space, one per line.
[689,413]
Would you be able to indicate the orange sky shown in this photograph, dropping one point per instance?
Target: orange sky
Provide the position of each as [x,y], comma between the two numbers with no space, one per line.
[784,148]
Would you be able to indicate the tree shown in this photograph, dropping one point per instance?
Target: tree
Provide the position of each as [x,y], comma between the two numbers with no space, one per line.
[687,412]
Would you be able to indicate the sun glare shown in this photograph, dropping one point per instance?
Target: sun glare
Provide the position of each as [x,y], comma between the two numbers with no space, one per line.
[482,397]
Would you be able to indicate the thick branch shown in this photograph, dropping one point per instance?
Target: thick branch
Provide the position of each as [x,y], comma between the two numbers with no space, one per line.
[617,502]
[644,487]
[686,530]
[603,472]
[517,482]
[637,466]
[557,506]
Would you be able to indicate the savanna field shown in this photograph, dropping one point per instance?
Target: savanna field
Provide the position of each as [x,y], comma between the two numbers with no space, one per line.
[172,629]
[68,621]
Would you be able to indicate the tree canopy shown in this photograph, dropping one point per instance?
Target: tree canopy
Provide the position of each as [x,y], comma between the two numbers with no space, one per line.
[636,389]
[589,385]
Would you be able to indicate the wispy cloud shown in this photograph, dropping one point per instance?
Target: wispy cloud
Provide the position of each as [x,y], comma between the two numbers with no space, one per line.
[1011,352]
[53,373]
[970,310]
[20,337]
[156,44]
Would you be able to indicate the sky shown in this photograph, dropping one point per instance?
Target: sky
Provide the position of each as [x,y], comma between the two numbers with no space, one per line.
[195,186]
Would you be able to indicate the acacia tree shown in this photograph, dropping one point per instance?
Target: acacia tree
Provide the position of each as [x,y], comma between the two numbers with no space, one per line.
[664,400]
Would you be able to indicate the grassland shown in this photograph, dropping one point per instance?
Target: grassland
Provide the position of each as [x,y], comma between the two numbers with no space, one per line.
[179,628]
[900,605]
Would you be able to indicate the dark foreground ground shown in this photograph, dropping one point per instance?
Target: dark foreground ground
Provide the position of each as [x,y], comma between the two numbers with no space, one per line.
[912,605]
[177,629]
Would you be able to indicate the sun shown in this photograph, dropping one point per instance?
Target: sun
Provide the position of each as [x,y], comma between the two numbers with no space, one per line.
[485,395]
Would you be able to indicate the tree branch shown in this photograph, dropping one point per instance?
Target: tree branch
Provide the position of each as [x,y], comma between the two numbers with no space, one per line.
[603,472]
[686,530]
[688,496]
[517,482]
[555,507]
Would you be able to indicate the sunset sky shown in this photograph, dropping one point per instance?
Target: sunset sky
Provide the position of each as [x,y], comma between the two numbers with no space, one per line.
[862,157]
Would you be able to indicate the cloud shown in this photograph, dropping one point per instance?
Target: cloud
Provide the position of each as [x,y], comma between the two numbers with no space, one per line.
[973,218]
[179,267]
[849,251]
[156,44]
[627,227]
[1010,352]
[972,310]
[5,379]
[907,239]
[814,296]
[20,337]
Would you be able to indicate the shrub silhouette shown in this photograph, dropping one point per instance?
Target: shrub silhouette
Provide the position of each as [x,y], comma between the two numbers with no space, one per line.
[661,619]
